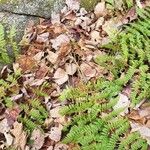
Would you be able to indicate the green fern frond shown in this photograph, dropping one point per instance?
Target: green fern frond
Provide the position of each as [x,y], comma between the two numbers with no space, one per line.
[29,124]
[7,41]
[3,51]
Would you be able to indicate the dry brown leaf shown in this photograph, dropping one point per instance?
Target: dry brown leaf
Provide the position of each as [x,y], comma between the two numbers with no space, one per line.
[87,70]
[37,82]
[131,15]
[55,112]
[26,63]
[42,38]
[100,9]
[60,76]
[144,112]
[9,139]
[61,146]
[4,127]
[95,37]
[50,148]
[122,103]
[64,50]
[42,71]
[19,135]
[70,68]
[84,22]
[52,57]
[55,134]
[39,56]
[99,23]
[58,29]
[56,43]
[38,138]
[143,130]
[12,115]
[134,115]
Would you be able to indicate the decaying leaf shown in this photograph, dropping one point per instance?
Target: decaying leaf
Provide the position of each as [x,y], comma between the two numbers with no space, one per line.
[55,112]
[100,9]
[70,68]
[26,63]
[61,146]
[42,38]
[56,43]
[52,57]
[122,103]
[60,76]
[9,139]
[4,127]
[55,134]
[143,130]
[19,135]
[42,71]
[87,70]
[38,138]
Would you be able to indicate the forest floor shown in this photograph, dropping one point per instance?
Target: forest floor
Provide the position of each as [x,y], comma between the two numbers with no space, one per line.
[60,54]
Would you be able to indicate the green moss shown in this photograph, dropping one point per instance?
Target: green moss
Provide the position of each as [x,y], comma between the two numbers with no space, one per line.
[89,4]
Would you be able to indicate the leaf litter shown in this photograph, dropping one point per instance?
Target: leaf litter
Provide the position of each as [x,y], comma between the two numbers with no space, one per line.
[56,52]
